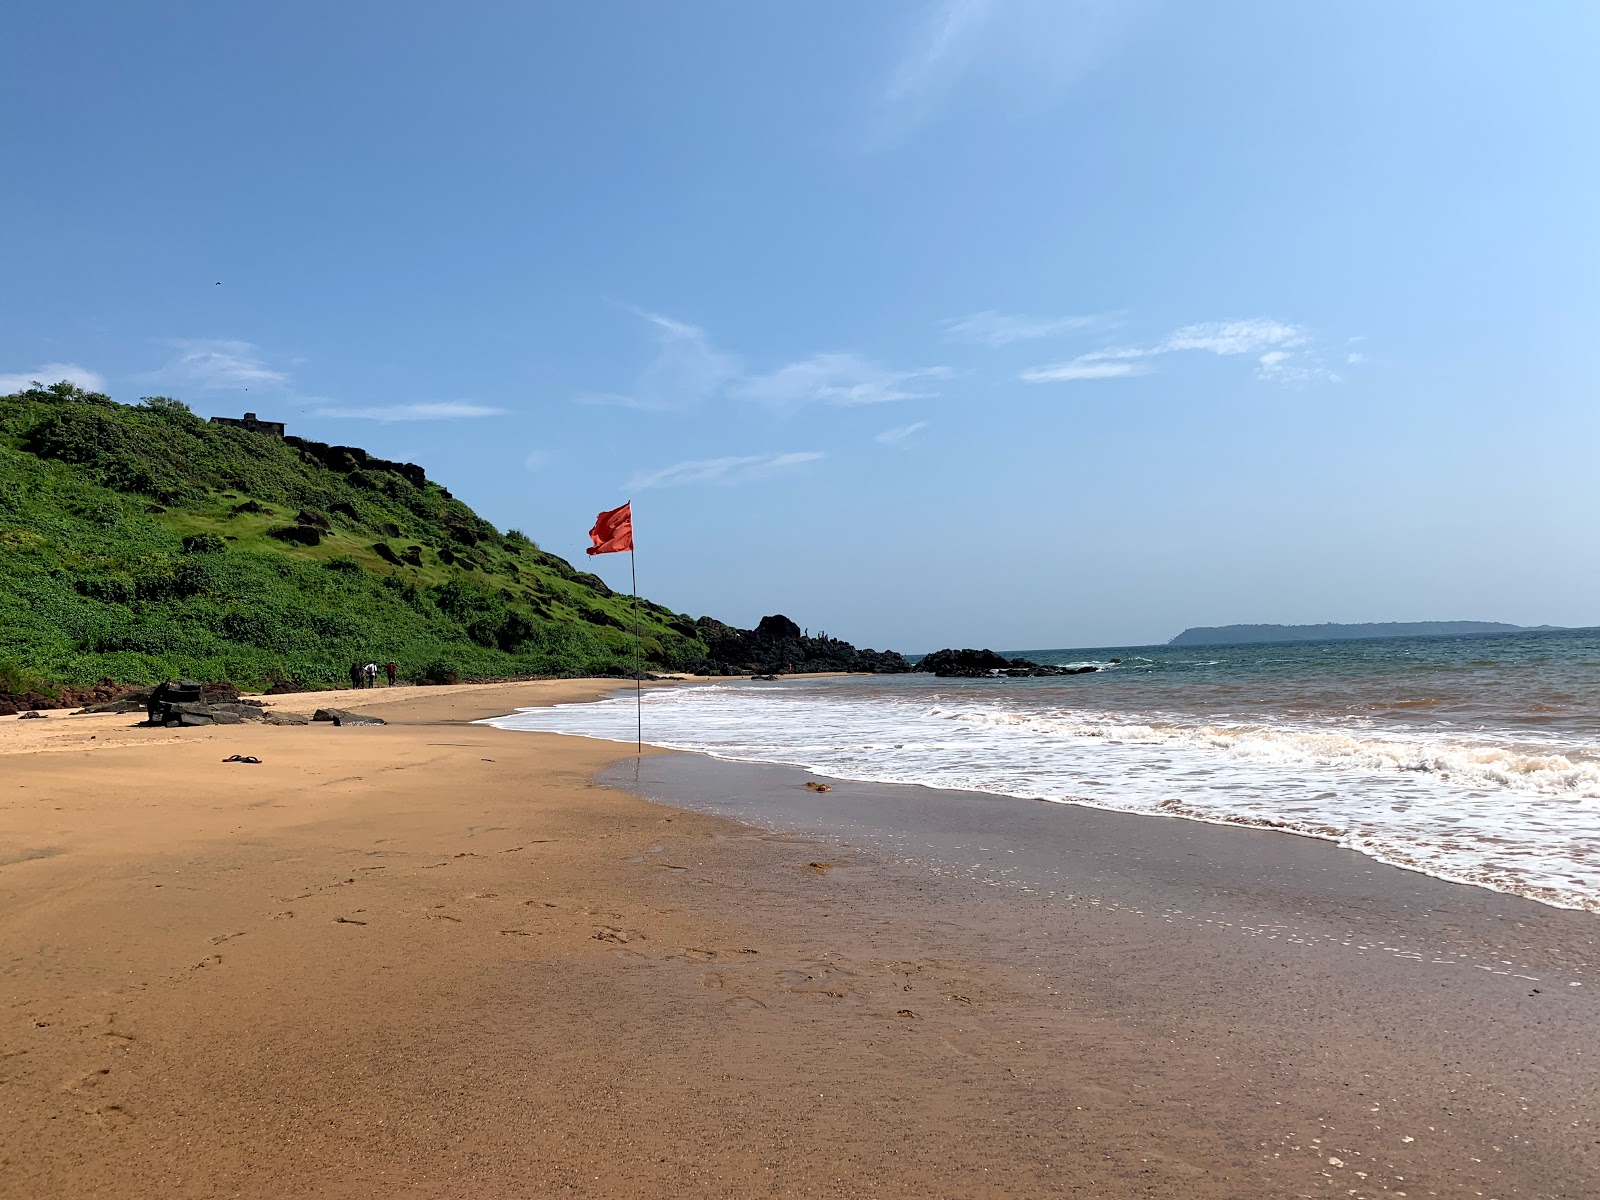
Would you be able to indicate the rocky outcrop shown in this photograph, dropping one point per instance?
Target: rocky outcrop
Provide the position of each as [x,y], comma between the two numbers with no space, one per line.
[778,646]
[12,703]
[183,704]
[986,664]
[343,716]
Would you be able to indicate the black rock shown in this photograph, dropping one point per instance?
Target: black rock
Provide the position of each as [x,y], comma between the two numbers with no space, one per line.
[986,664]
[341,716]
[778,646]
[302,535]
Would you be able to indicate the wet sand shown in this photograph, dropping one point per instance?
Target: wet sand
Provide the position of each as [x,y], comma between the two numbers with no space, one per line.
[436,959]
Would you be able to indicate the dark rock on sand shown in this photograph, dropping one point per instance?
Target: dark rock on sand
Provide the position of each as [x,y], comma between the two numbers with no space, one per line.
[342,716]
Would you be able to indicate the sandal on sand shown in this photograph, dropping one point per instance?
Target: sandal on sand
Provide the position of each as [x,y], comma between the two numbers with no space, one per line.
[246,758]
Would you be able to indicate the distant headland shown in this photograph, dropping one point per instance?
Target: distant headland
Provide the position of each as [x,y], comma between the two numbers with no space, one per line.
[1226,635]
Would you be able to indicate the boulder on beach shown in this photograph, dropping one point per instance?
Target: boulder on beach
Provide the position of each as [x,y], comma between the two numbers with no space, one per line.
[343,716]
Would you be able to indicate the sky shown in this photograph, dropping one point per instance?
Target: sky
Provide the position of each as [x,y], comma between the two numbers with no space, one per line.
[1009,323]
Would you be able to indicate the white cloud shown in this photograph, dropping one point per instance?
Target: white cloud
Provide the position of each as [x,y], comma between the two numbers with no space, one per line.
[1086,366]
[1234,337]
[1280,347]
[996,329]
[53,372]
[1280,366]
[687,370]
[893,437]
[731,470]
[448,410]
[220,365]
[839,379]
[1355,356]
[536,460]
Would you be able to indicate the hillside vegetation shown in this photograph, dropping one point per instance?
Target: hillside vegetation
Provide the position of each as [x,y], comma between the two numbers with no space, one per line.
[140,542]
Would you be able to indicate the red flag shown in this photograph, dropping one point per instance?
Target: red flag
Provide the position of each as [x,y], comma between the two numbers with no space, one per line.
[613,531]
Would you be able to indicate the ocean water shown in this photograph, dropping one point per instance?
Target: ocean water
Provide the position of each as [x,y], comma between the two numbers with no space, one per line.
[1474,759]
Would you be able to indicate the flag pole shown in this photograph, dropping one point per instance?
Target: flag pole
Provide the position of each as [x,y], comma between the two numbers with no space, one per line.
[638,682]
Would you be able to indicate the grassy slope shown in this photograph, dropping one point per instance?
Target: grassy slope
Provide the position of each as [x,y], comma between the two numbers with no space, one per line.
[122,557]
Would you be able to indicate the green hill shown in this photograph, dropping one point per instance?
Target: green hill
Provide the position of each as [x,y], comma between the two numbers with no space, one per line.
[139,543]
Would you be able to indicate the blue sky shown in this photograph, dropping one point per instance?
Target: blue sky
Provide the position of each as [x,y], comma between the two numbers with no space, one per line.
[996,322]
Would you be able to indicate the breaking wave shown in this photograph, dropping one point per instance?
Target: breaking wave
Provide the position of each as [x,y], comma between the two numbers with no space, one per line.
[1482,808]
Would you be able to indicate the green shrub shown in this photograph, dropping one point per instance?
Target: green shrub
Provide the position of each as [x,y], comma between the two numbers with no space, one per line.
[438,672]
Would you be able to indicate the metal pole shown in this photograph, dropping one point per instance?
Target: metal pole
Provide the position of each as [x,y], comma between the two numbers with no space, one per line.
[638,682]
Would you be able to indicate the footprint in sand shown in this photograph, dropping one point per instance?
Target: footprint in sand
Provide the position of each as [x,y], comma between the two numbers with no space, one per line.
[113,1116]
[210,960]
[700,954]
[822,980]
[82,1083]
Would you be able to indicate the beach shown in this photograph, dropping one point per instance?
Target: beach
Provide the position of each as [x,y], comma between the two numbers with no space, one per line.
[440,959]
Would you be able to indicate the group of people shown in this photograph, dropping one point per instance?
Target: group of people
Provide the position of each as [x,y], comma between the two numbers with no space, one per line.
[367,676]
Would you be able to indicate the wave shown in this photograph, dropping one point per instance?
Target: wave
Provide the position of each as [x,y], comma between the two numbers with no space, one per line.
[1511,817]
[1538,772]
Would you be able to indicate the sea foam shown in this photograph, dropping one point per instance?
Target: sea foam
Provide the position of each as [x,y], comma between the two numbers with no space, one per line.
[1480,809]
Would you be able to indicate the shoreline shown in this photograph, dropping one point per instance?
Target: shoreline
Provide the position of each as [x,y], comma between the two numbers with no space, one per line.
[442,959]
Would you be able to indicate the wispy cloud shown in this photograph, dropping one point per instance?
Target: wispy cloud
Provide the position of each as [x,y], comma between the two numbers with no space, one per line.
[1033,49]
[220,365]
[537,460]
[1283,353]
[690,370]
[997,329]
[448,410]
[1234,337]
[687,370]
[942,46]
[1280,366]
[838,379]
[726,471]
[897,435]
[53,372]
[1085,366]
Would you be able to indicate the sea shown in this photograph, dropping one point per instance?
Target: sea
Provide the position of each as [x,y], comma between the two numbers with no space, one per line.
[1474,759]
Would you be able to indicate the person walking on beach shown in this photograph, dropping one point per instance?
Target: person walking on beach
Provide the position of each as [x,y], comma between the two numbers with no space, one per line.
[356,674]
[372,674]
[390,669]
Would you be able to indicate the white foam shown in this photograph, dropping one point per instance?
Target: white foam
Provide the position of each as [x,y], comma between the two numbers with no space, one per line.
[1514,817]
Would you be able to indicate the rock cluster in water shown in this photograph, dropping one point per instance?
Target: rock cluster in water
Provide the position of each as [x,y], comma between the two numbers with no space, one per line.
[985,664]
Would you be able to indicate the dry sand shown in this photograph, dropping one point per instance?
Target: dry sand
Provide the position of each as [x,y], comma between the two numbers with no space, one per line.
[435,959]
